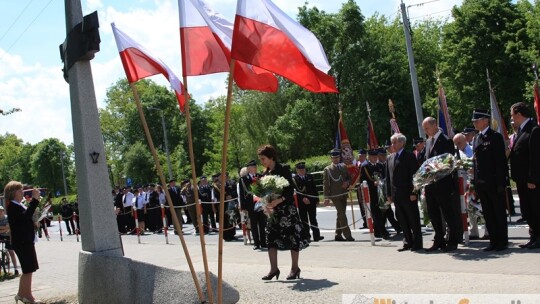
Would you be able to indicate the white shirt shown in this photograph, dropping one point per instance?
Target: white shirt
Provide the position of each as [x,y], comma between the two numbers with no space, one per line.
[127,199]
[140,201]
[431,141]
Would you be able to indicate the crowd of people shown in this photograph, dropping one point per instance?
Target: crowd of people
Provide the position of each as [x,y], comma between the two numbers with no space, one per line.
[389,174]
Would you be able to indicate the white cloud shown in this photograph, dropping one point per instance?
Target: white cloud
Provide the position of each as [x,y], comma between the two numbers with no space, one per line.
[42,95]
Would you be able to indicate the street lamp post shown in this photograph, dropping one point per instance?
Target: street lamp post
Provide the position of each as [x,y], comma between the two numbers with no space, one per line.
[165,140]
[62,155]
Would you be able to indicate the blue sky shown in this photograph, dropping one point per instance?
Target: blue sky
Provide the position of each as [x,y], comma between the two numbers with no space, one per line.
[30,67]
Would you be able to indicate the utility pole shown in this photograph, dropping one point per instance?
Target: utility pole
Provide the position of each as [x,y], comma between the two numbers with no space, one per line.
[412,68]
[62,155]
[165,140]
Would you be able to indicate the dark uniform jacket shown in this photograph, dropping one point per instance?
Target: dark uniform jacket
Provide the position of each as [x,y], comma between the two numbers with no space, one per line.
[399,175]
[246,197]
[442,145]
[307,186]
[490,166]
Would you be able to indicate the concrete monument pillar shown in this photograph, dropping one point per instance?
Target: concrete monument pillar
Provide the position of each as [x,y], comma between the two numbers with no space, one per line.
[98,222]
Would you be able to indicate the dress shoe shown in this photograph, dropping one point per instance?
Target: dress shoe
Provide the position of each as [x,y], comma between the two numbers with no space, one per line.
[270,276]
[501,248]
[474,237]
[490,248]
[435,247]
[350,239]
[485,237]
[417,248]
[294,275]
[339,238]
[404,248]
[530,242]
[450,248]
[256,247]
[386,236]
[534,245]
[520,220]
[319,239]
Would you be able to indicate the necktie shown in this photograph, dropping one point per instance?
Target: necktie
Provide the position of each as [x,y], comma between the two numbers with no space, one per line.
[431,145]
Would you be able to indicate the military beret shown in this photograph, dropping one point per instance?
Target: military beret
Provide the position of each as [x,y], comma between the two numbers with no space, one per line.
[251,163]
[362,151]
[468,130]
[203,178]
[300,165]
[172,180]
[381,151]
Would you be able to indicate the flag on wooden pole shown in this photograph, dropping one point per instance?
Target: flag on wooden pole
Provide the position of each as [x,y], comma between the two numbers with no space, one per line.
[536,94]
[206,38]
[497,121]
[266,37]
[139,63]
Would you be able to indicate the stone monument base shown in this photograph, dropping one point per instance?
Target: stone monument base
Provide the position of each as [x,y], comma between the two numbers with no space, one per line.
[112,279]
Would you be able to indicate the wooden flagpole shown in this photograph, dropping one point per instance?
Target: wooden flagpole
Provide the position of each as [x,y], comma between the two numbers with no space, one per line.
[222,178]
[352,185]
[177,225]
[210,292]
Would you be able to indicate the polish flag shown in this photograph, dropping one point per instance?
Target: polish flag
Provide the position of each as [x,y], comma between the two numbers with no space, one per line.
[206,47]
[139,63]
[268,38]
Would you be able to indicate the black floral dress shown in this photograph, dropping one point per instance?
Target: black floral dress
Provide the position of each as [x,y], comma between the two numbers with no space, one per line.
[284,230]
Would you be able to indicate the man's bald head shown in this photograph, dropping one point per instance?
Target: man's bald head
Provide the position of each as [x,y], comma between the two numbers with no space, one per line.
[460,141]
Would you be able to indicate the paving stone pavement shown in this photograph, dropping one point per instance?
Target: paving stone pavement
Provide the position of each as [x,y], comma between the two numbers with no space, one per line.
[329,269]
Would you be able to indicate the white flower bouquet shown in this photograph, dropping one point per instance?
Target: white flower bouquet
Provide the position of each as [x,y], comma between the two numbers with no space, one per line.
[438,167]
[268,188]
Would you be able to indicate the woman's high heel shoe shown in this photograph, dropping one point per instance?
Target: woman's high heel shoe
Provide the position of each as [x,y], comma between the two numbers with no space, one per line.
[295,275]
[26,301]
[270,276]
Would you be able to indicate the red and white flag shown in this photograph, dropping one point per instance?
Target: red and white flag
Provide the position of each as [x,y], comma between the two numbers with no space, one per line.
[268,38]
[206,38]
[139,63]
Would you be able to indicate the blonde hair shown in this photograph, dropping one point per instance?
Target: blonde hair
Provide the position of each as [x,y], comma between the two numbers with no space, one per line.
[11,188]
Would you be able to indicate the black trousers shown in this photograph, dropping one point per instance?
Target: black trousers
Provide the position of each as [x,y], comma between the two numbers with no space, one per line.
[258,225]
[70,225]
[377,214]
[494,210]
[209,219]
[308,216]
[362,209]
[529,202]
[388,214]
[408,216]
[448,203]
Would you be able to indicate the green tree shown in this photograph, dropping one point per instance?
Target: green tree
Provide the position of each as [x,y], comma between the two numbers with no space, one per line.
[139,164]
[10,149]
[485,34]
[46,165]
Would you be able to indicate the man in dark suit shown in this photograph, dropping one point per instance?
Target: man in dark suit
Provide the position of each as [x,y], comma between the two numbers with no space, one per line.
[176,198]
[401,166]
[257,218]
[490,172]
[525,169]
[442,195]
[308,198]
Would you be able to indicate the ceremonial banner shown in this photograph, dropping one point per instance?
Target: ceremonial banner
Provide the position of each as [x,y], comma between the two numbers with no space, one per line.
[371,138]
[266,37]
[206,38]
[497,121]
[537,101]
[347,157]
[445,122]
[139,63]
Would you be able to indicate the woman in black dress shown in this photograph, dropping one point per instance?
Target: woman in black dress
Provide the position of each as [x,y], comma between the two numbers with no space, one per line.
[284,232]
[23,236]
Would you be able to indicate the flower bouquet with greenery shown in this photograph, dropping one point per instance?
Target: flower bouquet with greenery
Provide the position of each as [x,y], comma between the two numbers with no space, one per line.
[434,169]
[267,189]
